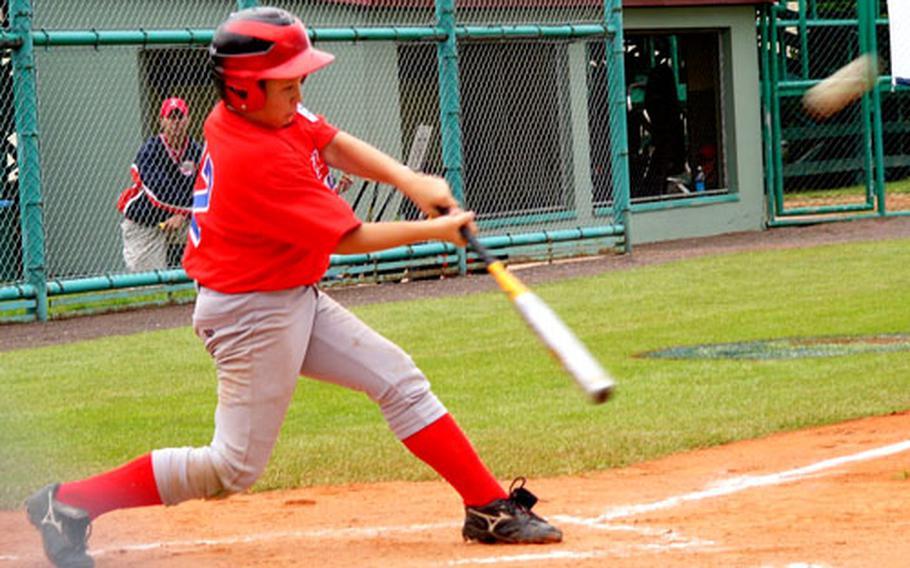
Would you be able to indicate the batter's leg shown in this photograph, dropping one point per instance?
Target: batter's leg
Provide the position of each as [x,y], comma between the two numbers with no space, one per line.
[258,343]
[345,351]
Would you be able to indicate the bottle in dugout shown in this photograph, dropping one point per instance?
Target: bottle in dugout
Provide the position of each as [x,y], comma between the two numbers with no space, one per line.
[700,180]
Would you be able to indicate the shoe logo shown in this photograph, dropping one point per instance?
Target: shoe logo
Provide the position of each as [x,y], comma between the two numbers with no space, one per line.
[49,518]
[493,521]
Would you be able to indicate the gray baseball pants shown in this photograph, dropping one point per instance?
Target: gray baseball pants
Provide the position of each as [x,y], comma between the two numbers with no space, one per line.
[261,343]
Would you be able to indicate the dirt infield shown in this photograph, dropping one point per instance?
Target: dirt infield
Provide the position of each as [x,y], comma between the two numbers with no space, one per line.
[836,496]
[831,497]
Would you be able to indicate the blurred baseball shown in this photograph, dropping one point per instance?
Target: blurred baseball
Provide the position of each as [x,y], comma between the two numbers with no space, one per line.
[846,85]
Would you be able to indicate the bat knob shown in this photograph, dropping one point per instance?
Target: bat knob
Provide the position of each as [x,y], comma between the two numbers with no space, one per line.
[602,395]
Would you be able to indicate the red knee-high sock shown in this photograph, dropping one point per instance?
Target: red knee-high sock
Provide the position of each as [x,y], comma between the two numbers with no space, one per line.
[130,485]
[445,448]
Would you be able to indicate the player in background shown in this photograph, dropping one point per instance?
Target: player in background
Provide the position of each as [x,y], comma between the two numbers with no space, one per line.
[265,221]
[157,206]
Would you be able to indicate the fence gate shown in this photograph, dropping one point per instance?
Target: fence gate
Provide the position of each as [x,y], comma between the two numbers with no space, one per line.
[855,163]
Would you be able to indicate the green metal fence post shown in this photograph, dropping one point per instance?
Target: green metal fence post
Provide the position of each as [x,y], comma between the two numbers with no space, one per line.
[616,85]
[803,40]
[243,4]
[450,106]
[866,106]
[25,97]
[878,142]
[765,60]
[776,142]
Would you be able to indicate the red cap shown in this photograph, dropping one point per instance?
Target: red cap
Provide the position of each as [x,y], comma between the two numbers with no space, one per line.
[174,103]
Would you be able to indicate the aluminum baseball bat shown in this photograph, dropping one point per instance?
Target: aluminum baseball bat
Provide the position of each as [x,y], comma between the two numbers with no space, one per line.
[571,353]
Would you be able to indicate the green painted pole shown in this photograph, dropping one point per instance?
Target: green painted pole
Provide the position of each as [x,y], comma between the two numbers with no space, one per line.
[776,143]
[531,31]
[796,211]
[243,4]
[98,38]
[450,107]
[765,50]
[803,40]
[878,142]
[25,97]
[866,107]
[674,61]
[405,253]
[616,89]
[98,283]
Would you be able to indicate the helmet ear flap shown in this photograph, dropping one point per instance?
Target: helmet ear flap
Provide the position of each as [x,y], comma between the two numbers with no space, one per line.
[243,94]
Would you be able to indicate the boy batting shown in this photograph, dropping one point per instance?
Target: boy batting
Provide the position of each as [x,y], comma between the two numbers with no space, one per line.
[265,220]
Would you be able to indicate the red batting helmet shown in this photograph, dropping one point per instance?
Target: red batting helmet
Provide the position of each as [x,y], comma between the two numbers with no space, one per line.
[257,44]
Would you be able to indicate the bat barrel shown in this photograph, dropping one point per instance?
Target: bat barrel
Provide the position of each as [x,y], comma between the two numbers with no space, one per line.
[575,358]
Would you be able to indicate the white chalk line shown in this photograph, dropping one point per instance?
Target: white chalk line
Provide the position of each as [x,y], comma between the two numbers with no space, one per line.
[672,541]
[798,565]
[737,484]
[726,487]
[345,533]
[615,552]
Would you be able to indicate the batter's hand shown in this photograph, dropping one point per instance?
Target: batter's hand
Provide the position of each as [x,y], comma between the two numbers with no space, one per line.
[430,193]
[449,225]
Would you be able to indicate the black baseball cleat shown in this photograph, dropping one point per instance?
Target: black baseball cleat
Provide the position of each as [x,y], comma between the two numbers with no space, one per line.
[509,520]
[64,529]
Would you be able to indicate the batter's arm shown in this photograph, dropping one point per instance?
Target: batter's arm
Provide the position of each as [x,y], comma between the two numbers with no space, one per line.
[353,155]
[370,237]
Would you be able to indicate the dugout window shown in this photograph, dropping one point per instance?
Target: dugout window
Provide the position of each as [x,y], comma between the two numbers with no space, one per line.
[674,116]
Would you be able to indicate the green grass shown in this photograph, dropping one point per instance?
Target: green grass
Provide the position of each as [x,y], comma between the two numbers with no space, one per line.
[72,410]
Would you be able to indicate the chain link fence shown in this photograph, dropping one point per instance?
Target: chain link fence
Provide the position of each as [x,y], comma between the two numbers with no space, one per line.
[10,239]
[534,119]
[380,13]
[132,15]
[854,162]
[824,162]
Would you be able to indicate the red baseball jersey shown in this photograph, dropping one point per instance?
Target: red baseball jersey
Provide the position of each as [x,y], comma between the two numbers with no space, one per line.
[265,216]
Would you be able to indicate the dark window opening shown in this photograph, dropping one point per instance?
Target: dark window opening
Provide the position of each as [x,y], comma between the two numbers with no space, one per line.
[674,121]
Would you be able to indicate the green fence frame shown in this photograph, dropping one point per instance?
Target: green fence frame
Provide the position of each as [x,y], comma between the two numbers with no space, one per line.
[775,86]
[32,296]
